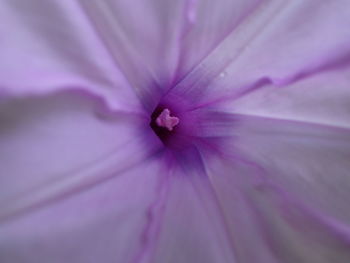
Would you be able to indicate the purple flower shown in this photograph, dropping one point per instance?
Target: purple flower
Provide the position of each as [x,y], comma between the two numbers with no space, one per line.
[177,131]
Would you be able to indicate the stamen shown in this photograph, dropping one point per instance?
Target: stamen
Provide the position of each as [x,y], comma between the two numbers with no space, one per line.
[165,120]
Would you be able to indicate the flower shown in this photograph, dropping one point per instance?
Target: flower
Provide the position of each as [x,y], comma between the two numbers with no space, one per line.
[174,131]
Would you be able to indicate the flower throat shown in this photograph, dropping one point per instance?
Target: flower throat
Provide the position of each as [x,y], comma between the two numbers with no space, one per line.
[163,123]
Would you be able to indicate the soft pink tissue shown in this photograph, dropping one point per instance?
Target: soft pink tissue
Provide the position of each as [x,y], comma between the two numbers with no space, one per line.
[175,131]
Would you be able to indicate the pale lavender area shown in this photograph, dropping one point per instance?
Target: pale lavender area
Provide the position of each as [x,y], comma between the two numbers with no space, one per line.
[175,131]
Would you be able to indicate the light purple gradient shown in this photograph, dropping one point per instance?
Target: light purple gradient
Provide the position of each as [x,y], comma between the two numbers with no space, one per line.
[179,131]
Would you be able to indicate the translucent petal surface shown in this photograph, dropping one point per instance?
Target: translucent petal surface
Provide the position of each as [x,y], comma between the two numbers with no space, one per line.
[102,224]
[310,161]
[230,180]
[323,98]
[192,227]
[158,42]
[208,25]
[53,45]
[289,179]
[52,143]
[143,39]
[279,42]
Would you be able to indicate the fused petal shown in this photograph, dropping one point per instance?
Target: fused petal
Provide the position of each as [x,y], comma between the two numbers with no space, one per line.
[58,143]
[53,46]
[103,223]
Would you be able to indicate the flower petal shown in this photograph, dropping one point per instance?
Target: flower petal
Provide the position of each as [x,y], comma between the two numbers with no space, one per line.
[309,161]
[230,181]
[296,233]
[176,36]
[54,144]
[192,228]
[280,42]
[302,38]
[101,224]
[323,98]
[143,39]
[208,25]
[279,229]
[53,46]
[284,185]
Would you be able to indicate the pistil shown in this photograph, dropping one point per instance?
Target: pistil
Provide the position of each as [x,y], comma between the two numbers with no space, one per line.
[166,121]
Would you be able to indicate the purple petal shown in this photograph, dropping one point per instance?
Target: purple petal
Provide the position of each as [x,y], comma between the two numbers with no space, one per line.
[209,24]
[102,224]
[231,179]
[283,187]
[143,39]
[53,46]
[174,37]
[296,233]
[308,161]
[192,228]
[276,228]
[57,144]
[322,98]
[280,42]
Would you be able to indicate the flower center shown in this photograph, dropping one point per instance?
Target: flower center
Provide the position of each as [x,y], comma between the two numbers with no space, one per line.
[163,124]
[165,120]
